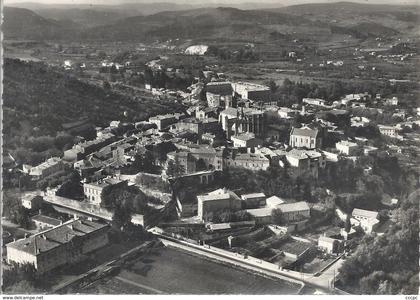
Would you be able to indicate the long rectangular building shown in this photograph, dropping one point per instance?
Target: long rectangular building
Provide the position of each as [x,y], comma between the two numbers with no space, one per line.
[60,245]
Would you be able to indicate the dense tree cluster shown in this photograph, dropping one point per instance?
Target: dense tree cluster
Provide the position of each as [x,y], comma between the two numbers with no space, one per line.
[36,149]
[175,168]
[243,54]
[274,181]
[162,79]
[124,200]
[293,92]
[72,187]
[14,211]
[387,264]
[143,162]
[20,279]
[56,179]
[152,182]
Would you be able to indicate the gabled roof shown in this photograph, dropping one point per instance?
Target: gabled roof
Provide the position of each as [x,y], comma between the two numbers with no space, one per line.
[274,200]
[365,213]
[246,136]
[219,88]
[219,194]
[55,237]
[291,207]
[297,153]
[253,195]
[260,212]
[46,220]
[308,132]
[250,157]
[326,239]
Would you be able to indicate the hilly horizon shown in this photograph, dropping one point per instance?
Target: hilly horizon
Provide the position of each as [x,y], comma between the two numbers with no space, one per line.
[359,20]
[200,2]
[24,23]
[198,23]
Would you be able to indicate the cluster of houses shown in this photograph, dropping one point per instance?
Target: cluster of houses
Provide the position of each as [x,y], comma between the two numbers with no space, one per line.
[229,129]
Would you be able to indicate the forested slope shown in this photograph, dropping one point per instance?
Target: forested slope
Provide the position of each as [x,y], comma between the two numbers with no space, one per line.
[39,99]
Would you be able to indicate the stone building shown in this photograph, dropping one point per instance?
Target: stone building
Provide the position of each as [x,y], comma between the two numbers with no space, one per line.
[64,244]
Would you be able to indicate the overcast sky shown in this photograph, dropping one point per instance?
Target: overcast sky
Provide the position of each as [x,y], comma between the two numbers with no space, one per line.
[224,2]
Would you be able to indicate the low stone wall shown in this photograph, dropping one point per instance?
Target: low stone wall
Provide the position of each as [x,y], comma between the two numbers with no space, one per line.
[292,276]
[88,208]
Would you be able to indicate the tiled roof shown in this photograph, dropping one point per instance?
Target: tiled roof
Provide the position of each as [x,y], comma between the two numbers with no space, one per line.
[305,132]
[219,88]
[55,237]
[253,195]
[297,206]
[214,197]
[219,194]
[46,220]
[260,212]
[364,213]
[244,136]
[326,239]
[274,200]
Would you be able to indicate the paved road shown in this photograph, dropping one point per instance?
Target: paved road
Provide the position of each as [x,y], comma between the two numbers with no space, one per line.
[327,276]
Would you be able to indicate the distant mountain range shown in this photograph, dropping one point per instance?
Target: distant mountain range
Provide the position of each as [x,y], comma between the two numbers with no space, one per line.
[133,21]
[130,9]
